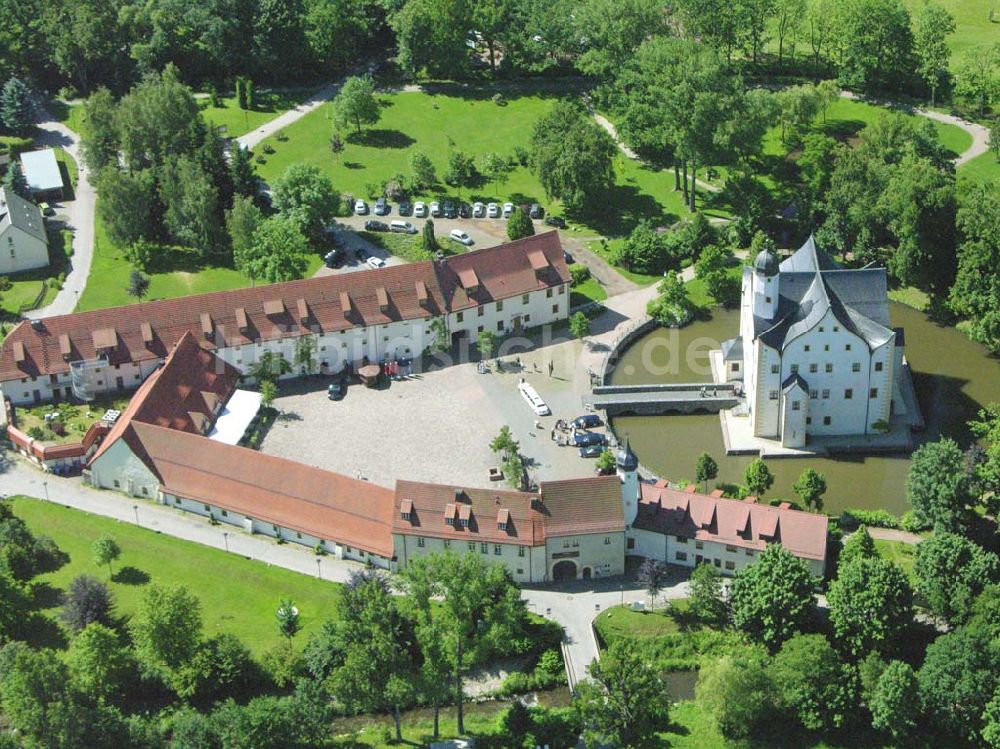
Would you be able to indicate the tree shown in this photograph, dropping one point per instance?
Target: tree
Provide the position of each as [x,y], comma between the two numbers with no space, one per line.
[422,170]
[242,172]
[337,145]
[797,108]
[573,158]
[138,284]
[519,225]
[428,241]
[17,112]
[504,443]
[242,221]
[276,253]
[895,702]
[624,704]
[166,628]
[356,104]
[950,571]
[494,167]
[305,353]
[672,307]
[127,205]
[773,598]
[372,677]
[712,268]
[14,606]
[705,470]
[270,365]
[978,76]
[579,325]
[976,291]
[933,25]
[106,550]
[481,610]
[88,601]
[645,251]
[871,605]
[268,392]
[812,683]
[606,463]
[991,722]
[705,595]
[758,477]
[612,30]
[789,17]
[461,169]
[98,664]
[431,36]
[306,196]
[157,119]
[858,546]
[34,694]
[938,486]
[739,693]
[486,343]
[875,44]
[811,486]
[15,182]
[288,619]
[652,575]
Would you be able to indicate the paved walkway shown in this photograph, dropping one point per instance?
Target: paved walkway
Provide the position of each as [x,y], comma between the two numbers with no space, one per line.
[81,217]
[895,534]
[980,134]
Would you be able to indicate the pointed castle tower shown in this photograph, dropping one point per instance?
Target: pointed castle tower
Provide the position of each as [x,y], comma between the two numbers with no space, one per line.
[628,473]
[765,285]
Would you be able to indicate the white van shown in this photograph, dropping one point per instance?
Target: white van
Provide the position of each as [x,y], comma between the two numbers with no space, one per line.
[533,399]
[403,227]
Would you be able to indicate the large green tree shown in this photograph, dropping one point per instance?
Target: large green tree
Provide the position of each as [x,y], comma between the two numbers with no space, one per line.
[612,30]
[871,605]
[276,253]
[355,104]
[976,292]
[17,111]
[933,26]
[128,206]
[623,705]
[166,628]
[773,598]
[739,693]
[895,702]
[950,571]
[812,682]
[307,197]
[191,199]
[938,486]
[98,663]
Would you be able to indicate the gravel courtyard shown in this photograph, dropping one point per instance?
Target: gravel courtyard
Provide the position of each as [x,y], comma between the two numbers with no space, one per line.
[434,427]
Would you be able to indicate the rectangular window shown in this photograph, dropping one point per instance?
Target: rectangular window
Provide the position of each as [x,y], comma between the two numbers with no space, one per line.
[717,562]
[480,311]
[630,543]
[826,346]
[813,368]
[730,565]
[829,368]
[500,326]
[449,521]
[873,393]
[555,309]
[208,509]
[730,549]
[472,545]
[459,316]
[699,545]
[177,500]
[524,299]
[809,420]
[813,394]
[749,552]
[500,306]
[774,369]
[496,549]
[607,540]
[826,421]
[796,406]
[767,300]
[225,514]
[847,347]
[447,543]
[520,551]
[298,535]
[773,395]
[680,556]
[878,366]
[562,289]
[464,522]
[548,293]
[736,366]
[826,393]
[682,540]
[795,369]
[821,328]
[274,528]
[836,328]
[484,548]
[807,347]
[848,394]
[856,367]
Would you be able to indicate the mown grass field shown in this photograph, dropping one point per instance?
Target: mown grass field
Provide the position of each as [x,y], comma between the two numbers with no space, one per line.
[187,274]
[983,167]
[269,104]
[972,23]
[237,595]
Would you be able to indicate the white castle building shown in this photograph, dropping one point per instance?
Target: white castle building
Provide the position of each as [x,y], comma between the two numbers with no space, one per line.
[816,352]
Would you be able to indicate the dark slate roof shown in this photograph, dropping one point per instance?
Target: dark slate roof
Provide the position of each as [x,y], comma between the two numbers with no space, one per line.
[732,350]
[811,283]
[18,212]
[767,263]
[794,380]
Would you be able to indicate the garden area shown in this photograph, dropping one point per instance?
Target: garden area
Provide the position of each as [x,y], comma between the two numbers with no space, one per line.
[233,122]
[65,423]
[35,288]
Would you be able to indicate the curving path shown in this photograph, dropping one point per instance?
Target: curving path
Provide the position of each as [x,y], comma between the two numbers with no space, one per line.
[81,217]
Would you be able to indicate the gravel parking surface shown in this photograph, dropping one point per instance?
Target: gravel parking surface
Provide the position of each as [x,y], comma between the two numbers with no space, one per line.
[433,427]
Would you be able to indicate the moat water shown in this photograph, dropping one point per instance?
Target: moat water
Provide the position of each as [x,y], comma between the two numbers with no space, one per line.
[953,376]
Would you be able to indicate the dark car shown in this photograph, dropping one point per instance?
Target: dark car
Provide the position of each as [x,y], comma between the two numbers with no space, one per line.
[381,207]
[556,222]
[465,210]
[405,208]
[449,209]
[585,439]
[591,451]
[567,257]
[373,225]
[536,211]
[361,254]
[334,258]
[336,390]
[587,421]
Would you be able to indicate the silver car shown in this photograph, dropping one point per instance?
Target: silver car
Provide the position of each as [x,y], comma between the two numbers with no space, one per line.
[360,207]
[420,209]
[493,210]
[508,209]
[478,210]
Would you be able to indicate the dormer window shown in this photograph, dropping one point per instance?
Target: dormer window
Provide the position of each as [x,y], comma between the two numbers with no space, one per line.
[406,509]
[503,516]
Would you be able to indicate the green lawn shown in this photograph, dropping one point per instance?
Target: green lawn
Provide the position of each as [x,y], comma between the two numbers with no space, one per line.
[31,287]
[911,297]
[619,621]
[237,595]
[898,552]
[270,103]
[983,167]
[109,276]
[76,420]
[606,250]
[588,291]
[972,23]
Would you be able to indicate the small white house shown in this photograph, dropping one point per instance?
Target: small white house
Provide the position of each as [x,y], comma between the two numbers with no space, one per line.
[41,170]
[23,242]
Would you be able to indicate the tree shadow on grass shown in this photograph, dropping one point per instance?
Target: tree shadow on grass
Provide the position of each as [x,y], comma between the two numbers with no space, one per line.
[171,259]
[130,576]
[842,130]
[381,138]
[43,632]
[353,165]
[46,596]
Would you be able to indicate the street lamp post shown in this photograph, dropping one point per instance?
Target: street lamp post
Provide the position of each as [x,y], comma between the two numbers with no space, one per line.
[135,509]
[45,485]
[225,539]
[318,572]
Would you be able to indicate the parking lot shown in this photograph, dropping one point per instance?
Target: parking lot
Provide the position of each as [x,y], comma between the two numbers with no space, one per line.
[434,427]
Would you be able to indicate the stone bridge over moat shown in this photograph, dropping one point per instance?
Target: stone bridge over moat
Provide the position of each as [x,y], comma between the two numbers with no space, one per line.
[654,400]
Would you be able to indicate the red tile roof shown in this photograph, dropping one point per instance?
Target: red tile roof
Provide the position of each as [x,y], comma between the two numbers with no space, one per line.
[586,505]
[335,302]
[274,490]
[748,525]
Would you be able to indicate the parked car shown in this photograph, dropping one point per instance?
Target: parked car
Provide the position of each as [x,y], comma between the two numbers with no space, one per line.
[336,390]
[435,208]
[508,209]
[449,210]
[420,209]
[465,210]
[375,262]
[587,421]
[536,211]
[381,207]
[334,258]
[567,256]
[493,210]
[402,227]
[478,210]
[555,221]
[533,399]
[591,451]
[405,208]
[460,236]
[586,439]
[373,225]
[46,209]
[360,207]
